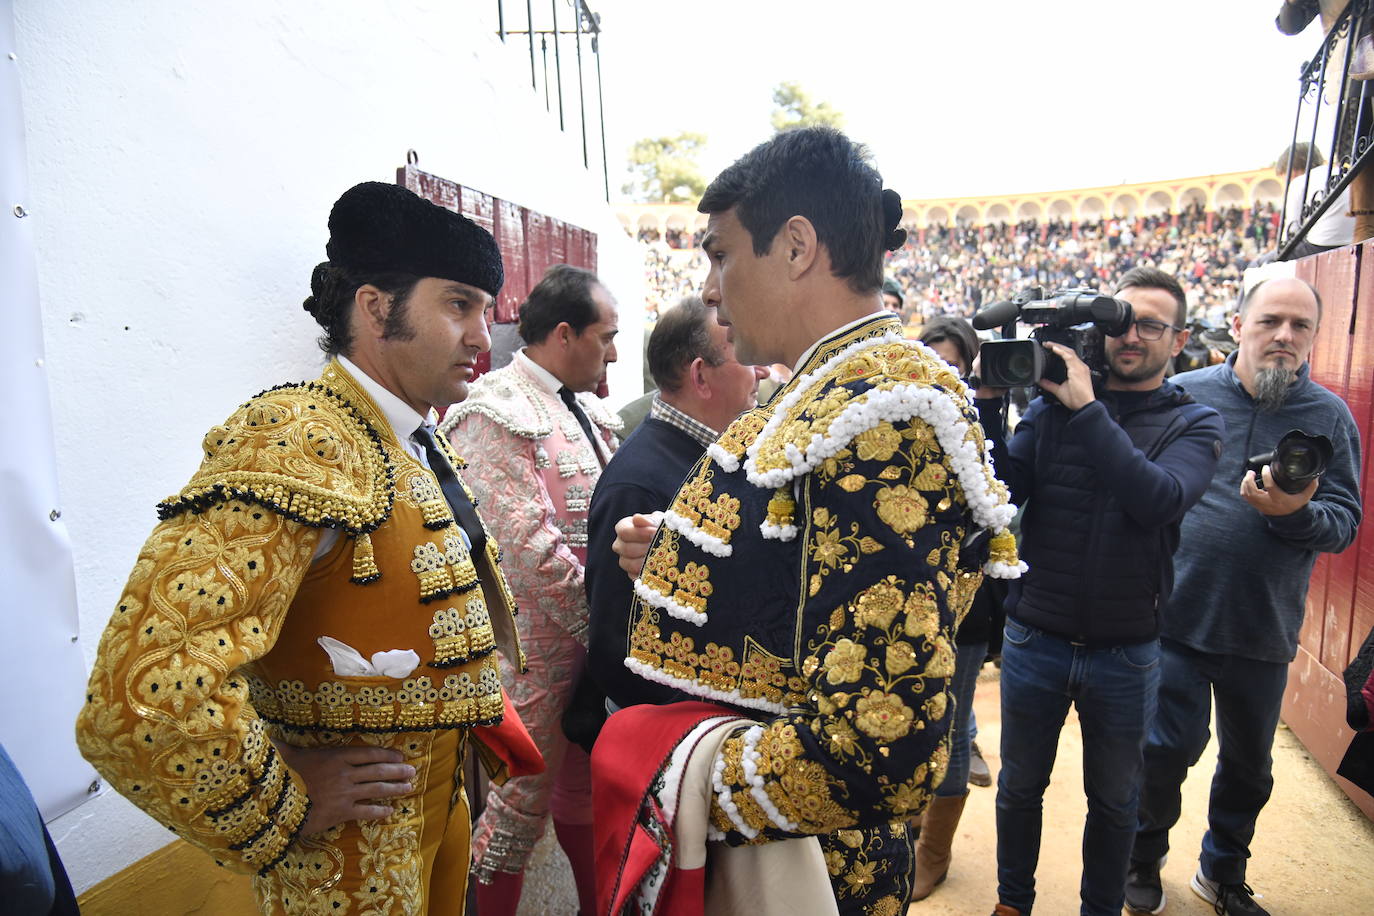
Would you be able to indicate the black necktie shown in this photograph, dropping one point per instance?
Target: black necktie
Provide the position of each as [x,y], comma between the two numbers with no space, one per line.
[571,400]
[457,497]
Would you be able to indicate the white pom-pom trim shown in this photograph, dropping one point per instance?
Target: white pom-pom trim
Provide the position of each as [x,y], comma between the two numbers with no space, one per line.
[668,604]
[726,799]
[973,470]
[749,759]
[999,570]
[730,697]
[708,543]
[728,462]
[778,532]
[677,764]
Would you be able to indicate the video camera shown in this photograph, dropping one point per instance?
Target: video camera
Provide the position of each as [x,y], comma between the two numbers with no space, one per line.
[1077,318]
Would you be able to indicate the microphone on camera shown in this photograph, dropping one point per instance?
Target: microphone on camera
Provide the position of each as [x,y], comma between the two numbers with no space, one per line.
[996,315]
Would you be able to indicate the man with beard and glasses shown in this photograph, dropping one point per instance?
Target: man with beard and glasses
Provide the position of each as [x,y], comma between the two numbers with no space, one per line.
[1231,628]
[1106,473]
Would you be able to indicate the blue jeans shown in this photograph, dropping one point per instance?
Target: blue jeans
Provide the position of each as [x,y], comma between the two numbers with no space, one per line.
[1113,689]
[968,661]
[1248,696]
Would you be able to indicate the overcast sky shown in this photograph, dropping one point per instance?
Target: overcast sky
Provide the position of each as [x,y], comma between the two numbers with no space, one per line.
[967,98]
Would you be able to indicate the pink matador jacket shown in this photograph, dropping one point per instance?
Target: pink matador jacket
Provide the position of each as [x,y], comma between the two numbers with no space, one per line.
[533,471]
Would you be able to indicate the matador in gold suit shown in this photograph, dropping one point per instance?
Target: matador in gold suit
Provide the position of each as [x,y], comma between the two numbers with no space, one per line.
[323,582]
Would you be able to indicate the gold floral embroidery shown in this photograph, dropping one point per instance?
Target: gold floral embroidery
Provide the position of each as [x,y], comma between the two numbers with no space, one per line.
[901,508]
[889,905]
[306,451]
[899,659]
[883,716]
[941,662]
[844,663]
[163,688]
[961,594]
[877,444]
[843,740]
[879,368]
[869,868]
[910,796]
[830,550]
[743,431]
[877,605]
[922,612]
[759,675]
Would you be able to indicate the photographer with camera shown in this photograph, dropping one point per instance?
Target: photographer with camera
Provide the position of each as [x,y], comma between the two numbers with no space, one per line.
[1230,629]
[1106,473]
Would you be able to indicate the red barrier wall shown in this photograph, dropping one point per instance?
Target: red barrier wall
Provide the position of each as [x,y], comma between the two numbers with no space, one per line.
[1340,602]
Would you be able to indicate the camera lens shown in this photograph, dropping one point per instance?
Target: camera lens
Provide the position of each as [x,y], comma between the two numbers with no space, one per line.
[1011,363]
[1300,460]
[1020,365]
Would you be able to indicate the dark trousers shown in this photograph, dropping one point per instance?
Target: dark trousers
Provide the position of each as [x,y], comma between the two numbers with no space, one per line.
[1248,696]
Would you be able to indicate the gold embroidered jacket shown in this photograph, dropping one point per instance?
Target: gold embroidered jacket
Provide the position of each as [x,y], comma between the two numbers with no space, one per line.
[211,653]
[812,568]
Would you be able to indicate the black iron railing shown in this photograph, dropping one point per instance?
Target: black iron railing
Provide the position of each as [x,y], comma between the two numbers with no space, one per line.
[1333,111]
[555,31]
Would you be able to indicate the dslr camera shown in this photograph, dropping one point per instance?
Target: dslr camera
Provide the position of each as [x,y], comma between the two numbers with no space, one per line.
[1077,318]
[1296,461]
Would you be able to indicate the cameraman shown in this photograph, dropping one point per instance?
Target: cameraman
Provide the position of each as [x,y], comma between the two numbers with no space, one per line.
[1231,628]
[1106,475]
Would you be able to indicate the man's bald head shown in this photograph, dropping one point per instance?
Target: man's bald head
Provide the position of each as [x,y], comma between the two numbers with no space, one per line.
[1275,329]
[1282,286]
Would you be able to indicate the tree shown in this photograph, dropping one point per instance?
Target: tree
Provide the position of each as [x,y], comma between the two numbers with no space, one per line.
[665,168]
[793,107]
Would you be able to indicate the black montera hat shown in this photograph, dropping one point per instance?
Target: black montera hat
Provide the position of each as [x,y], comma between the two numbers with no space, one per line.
[376,226]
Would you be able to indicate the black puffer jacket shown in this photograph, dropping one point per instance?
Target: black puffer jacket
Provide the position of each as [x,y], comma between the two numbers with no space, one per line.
[1105,488]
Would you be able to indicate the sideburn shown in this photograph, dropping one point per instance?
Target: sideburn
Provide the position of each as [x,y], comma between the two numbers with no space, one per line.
[397,325]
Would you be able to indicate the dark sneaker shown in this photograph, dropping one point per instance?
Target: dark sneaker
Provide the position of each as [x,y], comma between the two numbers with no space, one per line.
[1144,893]
[1228,899]
[978,772]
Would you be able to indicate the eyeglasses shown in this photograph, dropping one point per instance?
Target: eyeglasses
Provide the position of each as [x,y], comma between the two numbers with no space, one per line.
[1150,329]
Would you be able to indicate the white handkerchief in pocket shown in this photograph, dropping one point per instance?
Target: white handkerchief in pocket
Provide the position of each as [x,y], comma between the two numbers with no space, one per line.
[349,662]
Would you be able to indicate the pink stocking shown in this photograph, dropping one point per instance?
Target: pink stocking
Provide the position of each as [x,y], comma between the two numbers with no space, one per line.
[578,845]
[502,896]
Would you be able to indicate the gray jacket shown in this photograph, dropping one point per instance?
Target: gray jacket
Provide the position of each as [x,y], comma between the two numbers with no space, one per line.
[1242,577]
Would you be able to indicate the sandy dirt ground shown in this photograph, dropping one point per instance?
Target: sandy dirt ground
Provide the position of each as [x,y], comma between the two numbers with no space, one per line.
[1313,852]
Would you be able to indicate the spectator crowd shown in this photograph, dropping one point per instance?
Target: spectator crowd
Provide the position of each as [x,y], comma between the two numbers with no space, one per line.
[956,269]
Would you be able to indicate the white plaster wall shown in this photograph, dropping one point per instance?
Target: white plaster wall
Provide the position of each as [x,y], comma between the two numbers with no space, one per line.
[183,160]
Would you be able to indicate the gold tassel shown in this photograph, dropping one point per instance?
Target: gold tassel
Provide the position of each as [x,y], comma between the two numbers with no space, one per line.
[782,508]
[1002,549]
[364,566]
